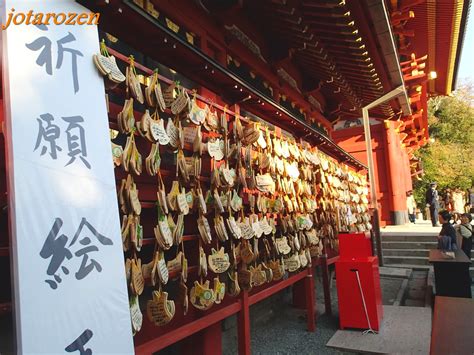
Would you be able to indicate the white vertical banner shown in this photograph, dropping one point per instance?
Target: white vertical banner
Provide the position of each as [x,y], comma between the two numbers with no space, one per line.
[69,274]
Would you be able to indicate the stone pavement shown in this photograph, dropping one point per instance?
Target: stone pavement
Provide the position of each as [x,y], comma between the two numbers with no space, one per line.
[420,227]
[405,330]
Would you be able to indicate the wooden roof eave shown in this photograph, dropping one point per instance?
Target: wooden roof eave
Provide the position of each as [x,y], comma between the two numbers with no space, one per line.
[302,24]
[386,59]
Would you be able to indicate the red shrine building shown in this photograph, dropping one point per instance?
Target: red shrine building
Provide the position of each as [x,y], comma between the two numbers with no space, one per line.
[319,63]
[429,39]
[305,68]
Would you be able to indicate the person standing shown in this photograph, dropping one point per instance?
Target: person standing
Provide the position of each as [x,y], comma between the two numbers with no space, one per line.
[471,198]
[448,203]
[433,203]
[458,201]
[411,206]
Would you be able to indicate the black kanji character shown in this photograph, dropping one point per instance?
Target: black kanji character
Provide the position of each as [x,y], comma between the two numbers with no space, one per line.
[80,342]
[45,57]
[74,53]
[85,268]
[76,143]
[55,248]
[49,133]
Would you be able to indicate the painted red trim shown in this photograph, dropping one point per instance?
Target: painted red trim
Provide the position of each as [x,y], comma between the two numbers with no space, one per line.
[184,331]
[267,292]
[243,325]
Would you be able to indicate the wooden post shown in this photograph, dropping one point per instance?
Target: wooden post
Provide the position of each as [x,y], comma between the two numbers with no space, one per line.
[299,290]
[304,298]
[205,342]
[212,339]
[243,325]
[310,299]
[327,291]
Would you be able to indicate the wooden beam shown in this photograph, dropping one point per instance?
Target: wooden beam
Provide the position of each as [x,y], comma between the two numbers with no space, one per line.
[344,14]
[349,39]
[345,47]
[320,22]
[409,4]
[310,85]
[323,5]
[413,67]
[340,31]
[279,52]
[219,6]
[398,17]
[414,59]
[404,32]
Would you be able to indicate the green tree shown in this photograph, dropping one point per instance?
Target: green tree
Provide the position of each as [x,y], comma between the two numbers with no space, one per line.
[448,158]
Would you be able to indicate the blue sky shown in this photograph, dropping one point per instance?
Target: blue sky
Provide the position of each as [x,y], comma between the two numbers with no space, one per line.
[466,67]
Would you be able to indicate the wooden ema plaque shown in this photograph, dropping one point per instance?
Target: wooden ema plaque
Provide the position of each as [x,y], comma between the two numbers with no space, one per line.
[218,261]
[201,296]
[160,310]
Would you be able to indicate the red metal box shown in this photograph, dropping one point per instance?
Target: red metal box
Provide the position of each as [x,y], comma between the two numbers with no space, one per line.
[351,306]
[354,245]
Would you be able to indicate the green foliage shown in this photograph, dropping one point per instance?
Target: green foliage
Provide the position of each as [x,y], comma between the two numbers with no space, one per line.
[448,159]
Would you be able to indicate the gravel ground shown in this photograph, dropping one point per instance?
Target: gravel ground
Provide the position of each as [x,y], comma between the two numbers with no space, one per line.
[284,331]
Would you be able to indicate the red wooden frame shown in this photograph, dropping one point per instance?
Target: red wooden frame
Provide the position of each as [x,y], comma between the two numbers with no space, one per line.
[182,332]
[242,307]
[199,330]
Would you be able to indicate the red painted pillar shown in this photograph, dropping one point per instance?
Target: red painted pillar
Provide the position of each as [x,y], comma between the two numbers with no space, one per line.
[397,177]
[424,106]
[299,294]
[206,342]
[212,339]
[408,179]
[243,325]
[304,297]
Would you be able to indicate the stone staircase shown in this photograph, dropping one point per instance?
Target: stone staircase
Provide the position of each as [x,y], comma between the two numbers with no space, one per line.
[409,250]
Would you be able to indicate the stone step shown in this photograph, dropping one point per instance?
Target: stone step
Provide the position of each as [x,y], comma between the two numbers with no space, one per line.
[422,253]
[420,267]
[409,266]
[406,252]
[410,260]
[386,271]
[414,303]
[408,237]
[408,245]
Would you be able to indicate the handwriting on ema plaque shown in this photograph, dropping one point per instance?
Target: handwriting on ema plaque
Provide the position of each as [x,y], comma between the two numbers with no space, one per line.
[56,249]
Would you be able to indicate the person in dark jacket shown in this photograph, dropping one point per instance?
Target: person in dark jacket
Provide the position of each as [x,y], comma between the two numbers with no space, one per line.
[447,235]
[433,203]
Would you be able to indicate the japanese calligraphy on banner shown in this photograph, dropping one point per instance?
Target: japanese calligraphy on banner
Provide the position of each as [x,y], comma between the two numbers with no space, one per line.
[69,275]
